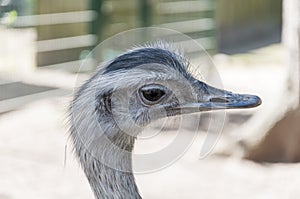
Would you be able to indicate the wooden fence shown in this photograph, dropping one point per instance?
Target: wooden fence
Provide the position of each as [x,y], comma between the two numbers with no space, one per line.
[239,23]
[195,18]
[67,30]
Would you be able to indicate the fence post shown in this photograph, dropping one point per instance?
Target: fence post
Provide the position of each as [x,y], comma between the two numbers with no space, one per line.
[96,26]
[145,13]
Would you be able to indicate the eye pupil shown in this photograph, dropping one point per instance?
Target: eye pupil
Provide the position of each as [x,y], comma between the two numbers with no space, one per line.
[153,94]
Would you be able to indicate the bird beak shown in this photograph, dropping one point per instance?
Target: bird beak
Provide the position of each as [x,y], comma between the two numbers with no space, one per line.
[211,98]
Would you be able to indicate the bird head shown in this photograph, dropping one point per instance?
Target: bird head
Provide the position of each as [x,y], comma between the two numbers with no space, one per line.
[146,84]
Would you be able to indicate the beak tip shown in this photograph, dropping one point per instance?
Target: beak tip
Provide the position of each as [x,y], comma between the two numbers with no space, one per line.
[256,101]
[259,101]
[239,101]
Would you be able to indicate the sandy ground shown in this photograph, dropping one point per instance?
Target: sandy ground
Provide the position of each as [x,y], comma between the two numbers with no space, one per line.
[36,162]
[32,153]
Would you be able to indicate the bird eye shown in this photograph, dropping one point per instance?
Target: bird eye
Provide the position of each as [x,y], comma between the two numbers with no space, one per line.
[152,94]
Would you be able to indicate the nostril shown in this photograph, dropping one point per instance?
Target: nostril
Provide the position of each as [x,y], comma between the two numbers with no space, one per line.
[219,100]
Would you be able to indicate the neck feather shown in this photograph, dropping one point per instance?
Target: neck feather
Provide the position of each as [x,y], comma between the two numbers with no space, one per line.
[110,183]
[112,175]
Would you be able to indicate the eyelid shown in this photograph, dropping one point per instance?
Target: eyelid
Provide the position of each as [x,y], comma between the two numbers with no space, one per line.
[153,86]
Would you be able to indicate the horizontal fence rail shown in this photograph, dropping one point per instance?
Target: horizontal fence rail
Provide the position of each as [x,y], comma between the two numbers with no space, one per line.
[55,18]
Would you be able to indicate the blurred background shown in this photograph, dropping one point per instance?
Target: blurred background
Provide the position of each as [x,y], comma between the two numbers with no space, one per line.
[254,45]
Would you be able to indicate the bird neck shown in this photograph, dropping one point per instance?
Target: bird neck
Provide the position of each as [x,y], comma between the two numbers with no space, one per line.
[103,149]
[111,175]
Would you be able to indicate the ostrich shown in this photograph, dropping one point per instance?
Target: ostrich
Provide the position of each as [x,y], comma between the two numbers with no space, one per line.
[127,93]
